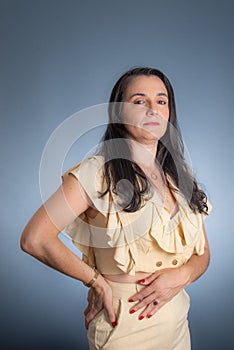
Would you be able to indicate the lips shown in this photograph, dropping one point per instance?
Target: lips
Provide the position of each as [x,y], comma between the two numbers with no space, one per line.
[152,123]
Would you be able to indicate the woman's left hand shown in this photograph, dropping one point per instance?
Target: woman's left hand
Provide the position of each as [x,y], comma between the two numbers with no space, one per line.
[160,288]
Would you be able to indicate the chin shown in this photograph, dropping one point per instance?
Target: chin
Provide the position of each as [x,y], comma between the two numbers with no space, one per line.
[152,135]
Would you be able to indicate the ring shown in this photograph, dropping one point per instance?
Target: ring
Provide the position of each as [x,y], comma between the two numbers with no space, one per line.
[155,302]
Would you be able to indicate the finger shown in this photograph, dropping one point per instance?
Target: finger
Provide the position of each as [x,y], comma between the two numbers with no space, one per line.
[153,309]
[151,278]
[143,303]
[86,324]
[150,310]
[111,314]
[144,293]
[90,316]
[86,311]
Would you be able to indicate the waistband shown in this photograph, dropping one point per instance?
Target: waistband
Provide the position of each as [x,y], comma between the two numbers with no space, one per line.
[124,290]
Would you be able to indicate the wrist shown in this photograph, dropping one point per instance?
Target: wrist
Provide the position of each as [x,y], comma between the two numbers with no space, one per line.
[97,281]
[100,284]
[185,272]
[94,278]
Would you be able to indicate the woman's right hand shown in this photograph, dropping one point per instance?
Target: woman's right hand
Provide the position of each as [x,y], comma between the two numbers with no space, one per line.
[99,297]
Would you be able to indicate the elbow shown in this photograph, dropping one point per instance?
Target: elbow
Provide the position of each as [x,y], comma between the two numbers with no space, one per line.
[24,244]
[29,244]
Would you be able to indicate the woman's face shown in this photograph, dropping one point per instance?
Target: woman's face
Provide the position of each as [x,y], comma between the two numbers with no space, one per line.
[145,112]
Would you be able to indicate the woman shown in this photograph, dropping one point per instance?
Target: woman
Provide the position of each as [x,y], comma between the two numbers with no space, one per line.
[136,213]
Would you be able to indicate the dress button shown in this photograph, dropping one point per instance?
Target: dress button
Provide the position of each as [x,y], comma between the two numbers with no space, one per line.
[159,263]
[174,262]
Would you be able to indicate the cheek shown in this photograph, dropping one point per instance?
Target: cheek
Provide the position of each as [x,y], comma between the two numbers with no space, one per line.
[131,115]
[164,123]
[165,113]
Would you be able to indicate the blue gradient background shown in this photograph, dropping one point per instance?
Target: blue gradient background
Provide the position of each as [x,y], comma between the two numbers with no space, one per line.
[58,57]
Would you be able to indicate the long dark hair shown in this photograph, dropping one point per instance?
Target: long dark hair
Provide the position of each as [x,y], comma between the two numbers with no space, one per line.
[170,153]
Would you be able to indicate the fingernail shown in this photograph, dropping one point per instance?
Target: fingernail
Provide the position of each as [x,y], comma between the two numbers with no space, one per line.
[114,324]
[141,317]
[130,300]
[132,311]
[141,281]
[149,315]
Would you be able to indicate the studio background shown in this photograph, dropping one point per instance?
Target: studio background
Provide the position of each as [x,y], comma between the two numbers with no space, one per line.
[59,57]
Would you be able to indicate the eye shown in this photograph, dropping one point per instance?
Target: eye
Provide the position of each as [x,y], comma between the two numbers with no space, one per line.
[162,102]
[139,102]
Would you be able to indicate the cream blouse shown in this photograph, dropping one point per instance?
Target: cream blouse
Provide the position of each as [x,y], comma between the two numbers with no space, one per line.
[119,242]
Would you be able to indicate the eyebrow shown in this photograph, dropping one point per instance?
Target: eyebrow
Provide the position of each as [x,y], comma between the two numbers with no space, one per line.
[141,94]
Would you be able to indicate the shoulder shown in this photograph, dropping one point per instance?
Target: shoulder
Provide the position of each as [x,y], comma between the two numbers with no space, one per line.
[88,167]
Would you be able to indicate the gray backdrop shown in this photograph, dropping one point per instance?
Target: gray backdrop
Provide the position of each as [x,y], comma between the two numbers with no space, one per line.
[58,57]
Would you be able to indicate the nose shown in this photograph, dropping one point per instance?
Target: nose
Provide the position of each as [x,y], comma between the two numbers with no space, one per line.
[152,109]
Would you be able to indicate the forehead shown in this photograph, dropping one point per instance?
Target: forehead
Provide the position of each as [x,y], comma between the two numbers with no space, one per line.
[145,84]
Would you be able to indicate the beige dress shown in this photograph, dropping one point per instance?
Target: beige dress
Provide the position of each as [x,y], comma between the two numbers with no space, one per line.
[117,242]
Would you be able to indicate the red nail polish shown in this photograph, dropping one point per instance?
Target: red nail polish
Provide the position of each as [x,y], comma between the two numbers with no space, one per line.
[141,317]
[149,315]
[132,311]
[141,281]
[114,324]
[130,300]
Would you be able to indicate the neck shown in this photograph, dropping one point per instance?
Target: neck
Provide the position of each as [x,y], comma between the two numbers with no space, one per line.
[144,154]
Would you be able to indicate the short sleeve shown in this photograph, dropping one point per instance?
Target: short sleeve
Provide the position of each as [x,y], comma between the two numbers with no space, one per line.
[90,175]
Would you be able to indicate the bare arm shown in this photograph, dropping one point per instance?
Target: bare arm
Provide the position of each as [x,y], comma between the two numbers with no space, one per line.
[197,264]
[40,237]
[164,284]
